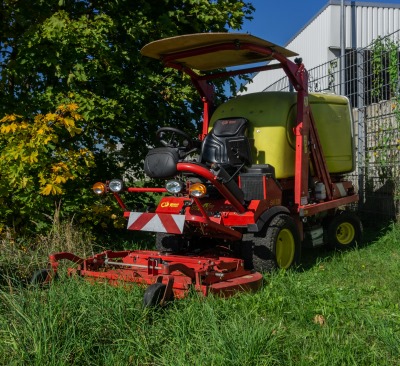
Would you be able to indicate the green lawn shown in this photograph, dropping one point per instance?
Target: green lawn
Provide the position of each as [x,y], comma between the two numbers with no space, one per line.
[340,309]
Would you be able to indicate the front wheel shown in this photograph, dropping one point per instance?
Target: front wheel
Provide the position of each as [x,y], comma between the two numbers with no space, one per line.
[277,247]
[344,230]
[40,277]
[154,295]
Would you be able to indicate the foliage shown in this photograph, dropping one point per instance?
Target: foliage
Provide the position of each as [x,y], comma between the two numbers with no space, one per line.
[332,70]
[377,66]
[40,159]
[385,85]
[385,68]
[343,309]
[64,52]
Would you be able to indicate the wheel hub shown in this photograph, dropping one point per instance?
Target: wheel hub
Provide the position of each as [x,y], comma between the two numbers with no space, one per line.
[345,233]
[285,249]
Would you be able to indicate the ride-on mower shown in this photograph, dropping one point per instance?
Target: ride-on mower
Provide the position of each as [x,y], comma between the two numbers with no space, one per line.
[266,179]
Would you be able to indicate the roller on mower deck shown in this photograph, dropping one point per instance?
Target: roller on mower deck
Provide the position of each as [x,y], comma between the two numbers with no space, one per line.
[264,177]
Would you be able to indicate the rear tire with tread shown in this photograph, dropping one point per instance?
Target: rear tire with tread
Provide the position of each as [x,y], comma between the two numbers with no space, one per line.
[344,231]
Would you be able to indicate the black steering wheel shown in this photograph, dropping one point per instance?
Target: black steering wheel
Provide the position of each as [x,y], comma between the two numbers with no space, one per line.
[173,137]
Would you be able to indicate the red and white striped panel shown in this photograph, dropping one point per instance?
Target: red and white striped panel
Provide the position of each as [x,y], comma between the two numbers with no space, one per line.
[160,223]
[342,190]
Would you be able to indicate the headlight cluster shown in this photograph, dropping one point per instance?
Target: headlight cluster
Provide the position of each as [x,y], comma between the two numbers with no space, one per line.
[172,186]
[115,185]
[195,190]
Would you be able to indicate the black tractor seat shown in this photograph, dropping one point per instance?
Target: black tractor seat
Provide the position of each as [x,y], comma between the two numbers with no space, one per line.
[227,144]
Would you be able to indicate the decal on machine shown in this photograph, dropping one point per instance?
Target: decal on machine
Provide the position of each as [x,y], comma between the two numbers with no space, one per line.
[156,222]
[169,204]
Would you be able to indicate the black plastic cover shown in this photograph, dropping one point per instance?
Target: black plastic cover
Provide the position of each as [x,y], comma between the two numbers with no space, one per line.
[161,162]
[264,169]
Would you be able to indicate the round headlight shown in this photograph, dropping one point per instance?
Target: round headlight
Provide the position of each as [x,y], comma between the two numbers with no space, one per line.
[99,188]
[197,190]
[173,186]
[116,185]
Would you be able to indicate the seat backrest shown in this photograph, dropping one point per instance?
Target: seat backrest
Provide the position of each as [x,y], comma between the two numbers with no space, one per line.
[226,143]
[160,162]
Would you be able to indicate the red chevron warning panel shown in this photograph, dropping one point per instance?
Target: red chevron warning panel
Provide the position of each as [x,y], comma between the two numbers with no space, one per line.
[161,223]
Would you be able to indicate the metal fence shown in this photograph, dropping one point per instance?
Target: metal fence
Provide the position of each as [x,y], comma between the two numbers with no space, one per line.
[372,84]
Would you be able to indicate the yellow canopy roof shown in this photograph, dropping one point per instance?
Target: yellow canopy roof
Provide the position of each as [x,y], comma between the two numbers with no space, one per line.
[219,58]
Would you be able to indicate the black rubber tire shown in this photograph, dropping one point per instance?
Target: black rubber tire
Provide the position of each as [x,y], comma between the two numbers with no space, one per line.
[259,250]
[169,243]
[344,230]
[39,277]
[153,295]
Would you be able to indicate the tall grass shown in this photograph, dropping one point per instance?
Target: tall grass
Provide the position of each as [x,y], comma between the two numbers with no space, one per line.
[342,310]
[20,256]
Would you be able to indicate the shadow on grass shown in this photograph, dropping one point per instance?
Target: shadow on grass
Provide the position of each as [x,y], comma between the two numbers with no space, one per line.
[373,229]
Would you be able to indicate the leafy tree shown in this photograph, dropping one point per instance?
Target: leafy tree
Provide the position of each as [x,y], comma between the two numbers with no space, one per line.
[39,160]
[87,53]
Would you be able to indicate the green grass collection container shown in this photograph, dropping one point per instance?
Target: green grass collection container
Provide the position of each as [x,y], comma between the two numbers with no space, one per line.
[272,117]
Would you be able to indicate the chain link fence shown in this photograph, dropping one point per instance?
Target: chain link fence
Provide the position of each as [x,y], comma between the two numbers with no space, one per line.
[371,82]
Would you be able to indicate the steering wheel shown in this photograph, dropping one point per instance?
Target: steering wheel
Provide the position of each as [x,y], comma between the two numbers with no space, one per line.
[173,137]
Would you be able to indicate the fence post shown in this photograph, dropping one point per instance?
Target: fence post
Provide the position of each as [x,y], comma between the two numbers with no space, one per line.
[361,147]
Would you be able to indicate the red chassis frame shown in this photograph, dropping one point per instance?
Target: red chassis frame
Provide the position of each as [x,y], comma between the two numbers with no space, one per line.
[214,272]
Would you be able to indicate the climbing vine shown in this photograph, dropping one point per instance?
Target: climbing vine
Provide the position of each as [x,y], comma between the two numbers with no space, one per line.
[385,86]
[332,70]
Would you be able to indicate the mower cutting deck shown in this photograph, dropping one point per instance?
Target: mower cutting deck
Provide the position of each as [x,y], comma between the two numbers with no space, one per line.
[168,276]
[253,188]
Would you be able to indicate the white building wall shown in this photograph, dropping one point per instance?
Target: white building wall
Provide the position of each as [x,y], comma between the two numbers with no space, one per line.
[319,41]
[366,23]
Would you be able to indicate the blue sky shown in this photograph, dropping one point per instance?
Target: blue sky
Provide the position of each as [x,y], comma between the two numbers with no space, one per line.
[279,20]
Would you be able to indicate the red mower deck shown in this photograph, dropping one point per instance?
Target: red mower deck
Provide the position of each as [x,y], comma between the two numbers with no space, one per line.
[179,273]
